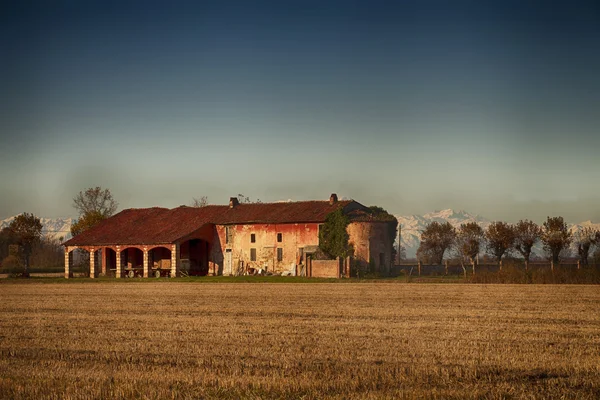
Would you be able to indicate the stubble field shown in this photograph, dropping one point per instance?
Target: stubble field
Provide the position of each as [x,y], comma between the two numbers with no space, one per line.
[277,340]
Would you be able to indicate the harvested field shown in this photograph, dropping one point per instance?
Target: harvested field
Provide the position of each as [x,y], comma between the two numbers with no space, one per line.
[365,340]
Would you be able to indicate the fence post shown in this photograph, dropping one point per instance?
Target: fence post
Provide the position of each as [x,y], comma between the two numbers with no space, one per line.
[552,265]
[578,264]
[446,266]
[419,267]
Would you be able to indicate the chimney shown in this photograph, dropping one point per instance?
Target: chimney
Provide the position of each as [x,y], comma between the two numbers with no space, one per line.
[333,198]
[233,201]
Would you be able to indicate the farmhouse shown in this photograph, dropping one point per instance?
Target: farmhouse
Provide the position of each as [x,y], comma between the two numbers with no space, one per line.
[232,239]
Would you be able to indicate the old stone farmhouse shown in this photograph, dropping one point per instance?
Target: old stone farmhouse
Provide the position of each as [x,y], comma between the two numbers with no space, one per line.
[229,240]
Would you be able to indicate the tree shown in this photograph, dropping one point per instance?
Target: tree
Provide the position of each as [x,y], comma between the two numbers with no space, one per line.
[333,236]
[84,223]
[200,202]
[27,229]
[556,237]
[95,200]
[93,205]
[585,239]
[436,238]
[500,238]
[469,239]
[527,233]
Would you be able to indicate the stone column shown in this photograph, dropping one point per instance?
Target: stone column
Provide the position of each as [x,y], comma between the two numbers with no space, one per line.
[92,263]
[118,273]
[104,260]
[68,273]
[145,263]
[174,260]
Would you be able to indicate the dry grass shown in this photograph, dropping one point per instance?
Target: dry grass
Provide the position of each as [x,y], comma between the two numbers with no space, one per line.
[379,340]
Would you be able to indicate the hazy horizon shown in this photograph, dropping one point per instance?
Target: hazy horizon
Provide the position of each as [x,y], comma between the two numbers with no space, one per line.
[415,107]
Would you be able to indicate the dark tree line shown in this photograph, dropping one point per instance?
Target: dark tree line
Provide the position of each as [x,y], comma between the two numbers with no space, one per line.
[501,238]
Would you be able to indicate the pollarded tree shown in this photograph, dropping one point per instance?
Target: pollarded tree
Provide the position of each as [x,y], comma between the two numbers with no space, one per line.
[469,240]
[585,239]
[27,229]
[556,237]
[527,233]
[500,237]
[436,238]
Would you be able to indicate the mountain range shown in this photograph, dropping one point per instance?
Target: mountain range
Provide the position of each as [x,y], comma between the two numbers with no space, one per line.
[411,226]
[54,228]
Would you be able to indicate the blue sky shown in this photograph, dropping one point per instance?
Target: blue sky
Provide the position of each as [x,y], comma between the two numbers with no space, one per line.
[414,106]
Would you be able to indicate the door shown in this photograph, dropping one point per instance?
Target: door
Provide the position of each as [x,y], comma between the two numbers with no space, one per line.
[227,269]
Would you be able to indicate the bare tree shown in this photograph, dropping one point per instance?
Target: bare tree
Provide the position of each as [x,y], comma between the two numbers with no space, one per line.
[500,238]
[469,240]
[246,199]
[95,200]
[200,202]
[585,239]
[527,233]
[436,238]
[556,237]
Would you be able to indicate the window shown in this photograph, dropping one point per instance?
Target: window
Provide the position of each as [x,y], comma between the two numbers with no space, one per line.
[228,234]
[252,254]
[279,254]
[253,238]
[279,237]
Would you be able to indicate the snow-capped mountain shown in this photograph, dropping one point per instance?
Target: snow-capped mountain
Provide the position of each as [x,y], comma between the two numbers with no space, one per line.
[413,225]
[54,228]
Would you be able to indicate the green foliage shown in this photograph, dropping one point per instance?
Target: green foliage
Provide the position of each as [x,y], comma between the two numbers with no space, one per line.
[333,235]
[88,220]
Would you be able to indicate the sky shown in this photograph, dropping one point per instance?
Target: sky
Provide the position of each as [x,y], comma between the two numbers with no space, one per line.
[492,107]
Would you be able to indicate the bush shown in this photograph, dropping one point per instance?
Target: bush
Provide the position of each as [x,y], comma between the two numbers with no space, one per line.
[518,275]
[13,266]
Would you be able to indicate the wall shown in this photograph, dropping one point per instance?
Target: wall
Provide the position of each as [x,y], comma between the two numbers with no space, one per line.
[294,236]
[325,268]
[370,240]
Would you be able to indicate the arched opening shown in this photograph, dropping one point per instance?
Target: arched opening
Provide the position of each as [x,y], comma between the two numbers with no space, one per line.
[79,263]
[194,254]
[159,261]
[132,262]
[108,262]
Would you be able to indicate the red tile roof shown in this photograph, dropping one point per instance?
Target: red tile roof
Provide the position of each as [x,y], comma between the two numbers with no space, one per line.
[162,225]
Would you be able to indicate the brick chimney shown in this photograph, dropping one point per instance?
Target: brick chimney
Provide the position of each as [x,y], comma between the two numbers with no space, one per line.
[333,198]
[233,201]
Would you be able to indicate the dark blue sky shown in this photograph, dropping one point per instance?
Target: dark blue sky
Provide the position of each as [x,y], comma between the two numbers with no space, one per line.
[414,106]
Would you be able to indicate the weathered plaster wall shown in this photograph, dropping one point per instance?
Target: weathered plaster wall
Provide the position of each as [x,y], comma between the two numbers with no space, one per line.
[372,242]
[294,237]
